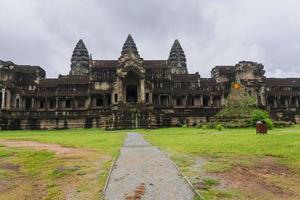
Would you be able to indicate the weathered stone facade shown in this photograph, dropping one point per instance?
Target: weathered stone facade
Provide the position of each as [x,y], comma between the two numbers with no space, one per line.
[134,93]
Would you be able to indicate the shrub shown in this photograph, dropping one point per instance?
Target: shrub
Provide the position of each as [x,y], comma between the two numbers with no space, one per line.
[179,124]
[258,115]
[211,125]
[269,123]
[184,126]
[220,127]
[199,126]
[204,126]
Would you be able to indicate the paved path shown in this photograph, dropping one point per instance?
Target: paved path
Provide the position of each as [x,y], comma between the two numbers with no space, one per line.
[142,171]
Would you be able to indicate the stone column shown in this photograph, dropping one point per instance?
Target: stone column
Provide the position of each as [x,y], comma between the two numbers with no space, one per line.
[222,100]
[287,102]
[201,101]
[57,102]
[211,101]
[297,102]
[3,98]
[142,91]
[159,100]
[275,102]
[32,103]
[120,91]
[8,99]
[88,102]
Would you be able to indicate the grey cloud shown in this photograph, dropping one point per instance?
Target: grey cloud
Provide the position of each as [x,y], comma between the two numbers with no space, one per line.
[211,32]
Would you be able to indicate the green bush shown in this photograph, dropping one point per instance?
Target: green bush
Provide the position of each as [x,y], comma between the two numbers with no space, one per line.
[204,126]
[258,115]
[220,127]
[199,126]
[269,123]
[211,125]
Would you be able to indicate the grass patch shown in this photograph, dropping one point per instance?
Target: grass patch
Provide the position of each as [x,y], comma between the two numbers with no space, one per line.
[4,153]
[3,174]
[35,162]
[106,141]
[227,150]
[230,144]
[83,173]
[216,167]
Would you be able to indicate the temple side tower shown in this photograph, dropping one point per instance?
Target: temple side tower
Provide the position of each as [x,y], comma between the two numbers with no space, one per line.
[177,60]
[80,59]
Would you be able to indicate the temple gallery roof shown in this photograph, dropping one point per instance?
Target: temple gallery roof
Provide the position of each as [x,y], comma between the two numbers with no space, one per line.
[21,68]
[48,83]
[73,79]
[283,82]
[114,63]
[208,81]
[186,77]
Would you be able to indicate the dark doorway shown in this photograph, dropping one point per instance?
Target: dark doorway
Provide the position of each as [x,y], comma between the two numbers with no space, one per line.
[131,87]
[131,93]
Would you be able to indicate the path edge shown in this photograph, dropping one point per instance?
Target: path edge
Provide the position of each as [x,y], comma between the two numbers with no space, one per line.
[109,174]
[181,173]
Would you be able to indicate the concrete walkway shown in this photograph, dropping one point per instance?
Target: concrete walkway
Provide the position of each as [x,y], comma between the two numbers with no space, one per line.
[143,172]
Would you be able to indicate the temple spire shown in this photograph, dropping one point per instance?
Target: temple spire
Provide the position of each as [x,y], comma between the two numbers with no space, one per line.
[129,46]
[80,59]
[177,58]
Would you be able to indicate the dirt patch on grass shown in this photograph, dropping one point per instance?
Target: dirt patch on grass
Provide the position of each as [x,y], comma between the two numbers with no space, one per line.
[266,180]
[10,166]
[73,174]
[58,149]
[22,187]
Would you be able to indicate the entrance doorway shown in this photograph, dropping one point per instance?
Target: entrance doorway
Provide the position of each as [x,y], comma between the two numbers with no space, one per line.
[131,88]
[131,93]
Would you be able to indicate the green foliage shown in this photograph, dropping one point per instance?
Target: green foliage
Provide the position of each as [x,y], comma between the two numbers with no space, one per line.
[204,126]
[199,126]
[261,115]
[258,115]
[238,108]
[269,123]
[184,126]
[220,127]
[243,113]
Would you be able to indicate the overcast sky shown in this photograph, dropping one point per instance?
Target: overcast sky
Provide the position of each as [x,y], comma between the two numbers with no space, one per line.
[211,32]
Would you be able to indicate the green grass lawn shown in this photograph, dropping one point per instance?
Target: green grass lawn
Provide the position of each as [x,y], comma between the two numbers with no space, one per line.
[28,173]
[227,164]
[106,141]
[224,151]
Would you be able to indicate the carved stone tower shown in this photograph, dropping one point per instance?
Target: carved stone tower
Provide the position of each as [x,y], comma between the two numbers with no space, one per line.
[129,47]
[177,60]
[130,84]
[80,60]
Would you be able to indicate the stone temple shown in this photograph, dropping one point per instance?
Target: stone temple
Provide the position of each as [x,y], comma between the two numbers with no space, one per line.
[134,93]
